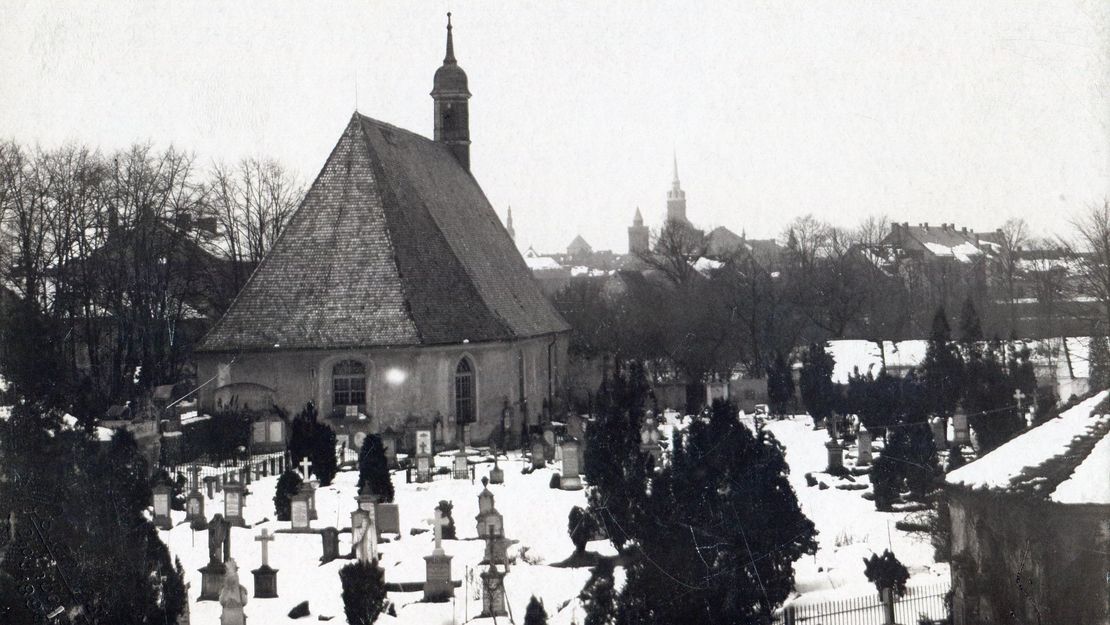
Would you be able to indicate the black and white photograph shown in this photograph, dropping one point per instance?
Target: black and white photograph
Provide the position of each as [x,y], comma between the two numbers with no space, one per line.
[535,312]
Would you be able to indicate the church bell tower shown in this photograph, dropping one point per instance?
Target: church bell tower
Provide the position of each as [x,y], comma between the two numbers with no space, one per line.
[676,198]
[452,115]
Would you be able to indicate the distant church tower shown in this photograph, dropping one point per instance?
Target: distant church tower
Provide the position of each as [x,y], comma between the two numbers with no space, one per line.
[509,225]
[452,117]
[637,234]
[676,198]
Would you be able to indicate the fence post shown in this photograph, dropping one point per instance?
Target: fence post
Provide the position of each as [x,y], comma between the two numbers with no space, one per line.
[888,606]
[788,615]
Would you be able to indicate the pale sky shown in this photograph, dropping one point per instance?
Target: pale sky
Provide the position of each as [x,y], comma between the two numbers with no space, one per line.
[965,112]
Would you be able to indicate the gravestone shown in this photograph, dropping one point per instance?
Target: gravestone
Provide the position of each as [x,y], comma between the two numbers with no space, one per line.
[836,457]
[497,551]
[365,499]
[649,439]
[219,550]
[234,500]
[330,539]
[548,443]
[863,441]
[493,593]
[265,578]
[162,493]
[437,584]
[233,596]
[570,478]
[194,506]
[210,486]
[539,460]
[496,474]
[460,468]
[298,511]
[424,467]
[389,444]
[364,536]
[490,523]
[387,517]
[961,434]
[940,433]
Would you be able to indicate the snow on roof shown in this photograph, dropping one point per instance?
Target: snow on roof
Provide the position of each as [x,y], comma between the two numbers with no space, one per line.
[1090,483]
[1005,467]
[541,263]
[705,265]
[962,252]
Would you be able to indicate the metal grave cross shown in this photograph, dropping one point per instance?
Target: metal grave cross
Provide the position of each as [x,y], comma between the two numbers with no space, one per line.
[438,523]
[265,538]
[1018,395]
[305,466]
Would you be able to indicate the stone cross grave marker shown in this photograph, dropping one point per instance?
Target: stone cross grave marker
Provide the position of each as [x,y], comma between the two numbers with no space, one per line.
[305,466]
[265,538]
[438,522]
[1018,396]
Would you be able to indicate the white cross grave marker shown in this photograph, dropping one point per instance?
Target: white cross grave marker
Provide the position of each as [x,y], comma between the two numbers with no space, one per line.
[305,466]
[265,538]
[438,523]
[1018,395]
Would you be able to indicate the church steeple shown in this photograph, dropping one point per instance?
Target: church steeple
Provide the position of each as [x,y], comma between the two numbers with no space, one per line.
[509,221]
[638,234]
[450,94]
[676,198]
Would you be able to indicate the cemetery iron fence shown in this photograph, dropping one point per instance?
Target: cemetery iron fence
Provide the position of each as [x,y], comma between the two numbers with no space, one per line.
[921,604]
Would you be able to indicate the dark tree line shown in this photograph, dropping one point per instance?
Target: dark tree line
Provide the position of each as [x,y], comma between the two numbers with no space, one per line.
[112,264]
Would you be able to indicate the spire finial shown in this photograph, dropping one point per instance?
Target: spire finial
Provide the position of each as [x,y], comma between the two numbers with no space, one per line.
[450,56]
[675,155]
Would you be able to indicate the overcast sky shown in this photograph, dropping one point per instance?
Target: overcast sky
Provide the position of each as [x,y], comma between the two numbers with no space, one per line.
[965,112]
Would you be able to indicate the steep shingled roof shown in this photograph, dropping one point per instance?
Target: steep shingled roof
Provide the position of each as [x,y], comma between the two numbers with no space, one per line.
[395,244]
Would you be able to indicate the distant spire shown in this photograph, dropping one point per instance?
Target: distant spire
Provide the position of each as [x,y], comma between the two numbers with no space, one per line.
[638,220]
[675,155]
[509,224]
[449,58]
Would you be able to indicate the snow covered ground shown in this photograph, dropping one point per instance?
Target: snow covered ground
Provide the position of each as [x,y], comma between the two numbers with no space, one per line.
[850,527]
[536,516]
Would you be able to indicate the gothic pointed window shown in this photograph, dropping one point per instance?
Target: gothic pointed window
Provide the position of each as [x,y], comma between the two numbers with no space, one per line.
[349,383]
[464,391]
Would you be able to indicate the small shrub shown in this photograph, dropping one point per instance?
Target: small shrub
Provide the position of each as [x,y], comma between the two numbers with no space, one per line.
[445,508]
[534,614]
[886,571]
[363,591]
[287,486]
[580,527]
[527,557]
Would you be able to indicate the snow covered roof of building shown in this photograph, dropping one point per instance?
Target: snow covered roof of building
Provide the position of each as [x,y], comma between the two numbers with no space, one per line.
[542,263]
[1058,460]
[394,244]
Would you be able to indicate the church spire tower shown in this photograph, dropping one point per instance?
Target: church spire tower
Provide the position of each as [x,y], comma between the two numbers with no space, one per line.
[676,198]
[638,234]
[509,225]
[450,94]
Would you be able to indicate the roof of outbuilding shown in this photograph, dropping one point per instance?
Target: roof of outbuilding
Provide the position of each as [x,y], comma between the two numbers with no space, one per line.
[1055,460]
[394,244]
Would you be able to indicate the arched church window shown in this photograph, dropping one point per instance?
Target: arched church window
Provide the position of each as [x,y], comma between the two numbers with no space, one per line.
[464,391]
[348,383]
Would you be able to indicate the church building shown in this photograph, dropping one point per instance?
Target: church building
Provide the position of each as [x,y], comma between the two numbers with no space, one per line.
[394,297]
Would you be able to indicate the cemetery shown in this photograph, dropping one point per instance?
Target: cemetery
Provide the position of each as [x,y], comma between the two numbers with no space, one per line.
[511,550]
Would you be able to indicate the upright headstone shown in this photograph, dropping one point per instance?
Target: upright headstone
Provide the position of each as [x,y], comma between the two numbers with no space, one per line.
[389,444]
[548,443]
[863,441]
[425,463]
[539,459]
[298,511]
[489,522]
[437,584]
[330,539]
[570,478]
[493,593]
[460,468]
[961,434]
[496,474]
[233,596]
[940,433]
[234,500]
[387,518]
[194,506]
[265,578]
[162,493]
[212,574]
[497,551]
[836,457]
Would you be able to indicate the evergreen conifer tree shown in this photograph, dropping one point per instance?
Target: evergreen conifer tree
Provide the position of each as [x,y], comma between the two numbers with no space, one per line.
[287,486]
[580,526]
[373,468]
[971,328]
[599,595]
[819,394]
[942,369]
[780,385]
[534,614]
[886,571]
